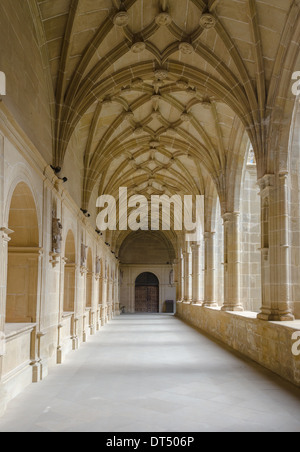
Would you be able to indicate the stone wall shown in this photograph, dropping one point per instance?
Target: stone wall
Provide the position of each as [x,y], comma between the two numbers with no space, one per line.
[36,333]
[267,343]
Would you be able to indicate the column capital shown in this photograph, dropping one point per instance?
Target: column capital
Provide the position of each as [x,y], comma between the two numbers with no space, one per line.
[230,217]
[5,233]
[83,270]
[266,183]
[283,177]
[209,235]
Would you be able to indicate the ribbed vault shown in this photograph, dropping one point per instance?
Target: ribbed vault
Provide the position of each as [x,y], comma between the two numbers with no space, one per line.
[164,95]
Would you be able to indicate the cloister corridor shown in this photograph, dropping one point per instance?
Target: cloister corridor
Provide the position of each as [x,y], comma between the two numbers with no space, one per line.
[148,373]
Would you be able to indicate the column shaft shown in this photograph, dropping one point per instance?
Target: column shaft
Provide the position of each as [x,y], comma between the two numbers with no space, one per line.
[276,275]
[197,273]
[232,263]
[209,276]
[176,278]
[188,277]
[181,282]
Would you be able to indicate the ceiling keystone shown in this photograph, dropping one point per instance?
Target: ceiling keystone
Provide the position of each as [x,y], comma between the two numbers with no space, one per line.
[208,21]
[186,48]
[121,19]
[163,19]
[138,47]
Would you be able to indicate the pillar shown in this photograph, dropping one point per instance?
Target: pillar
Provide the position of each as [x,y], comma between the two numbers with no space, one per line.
[209,273]
[104,302]
[276,272]
[181,278]
[187,277]
[4,240]
[117,294]
[196,274]
[109,301]
[97,304]
[232,262]
[176,278]
[74,334]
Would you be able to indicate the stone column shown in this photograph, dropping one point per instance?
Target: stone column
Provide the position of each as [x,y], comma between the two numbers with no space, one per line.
[109,301]
[97,285]
[104,301]
[197,273]
[176,276]
[209,275]
[4,240]
[117,293]
[74,334]
[187,277]
[92,322]
[232,300]
[276,273]
[181,279]
[83,272]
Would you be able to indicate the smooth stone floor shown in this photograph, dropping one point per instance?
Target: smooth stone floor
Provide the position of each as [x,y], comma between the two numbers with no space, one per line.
[153,373]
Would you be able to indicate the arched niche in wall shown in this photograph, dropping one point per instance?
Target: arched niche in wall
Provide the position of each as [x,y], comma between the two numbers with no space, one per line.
[23,257]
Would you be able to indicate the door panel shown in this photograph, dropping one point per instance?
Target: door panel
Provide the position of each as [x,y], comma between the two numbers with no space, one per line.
[152,299]
[147,299]
[141,295]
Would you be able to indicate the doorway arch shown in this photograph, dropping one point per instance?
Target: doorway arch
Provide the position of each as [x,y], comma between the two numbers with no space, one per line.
[23,257]
[147,293]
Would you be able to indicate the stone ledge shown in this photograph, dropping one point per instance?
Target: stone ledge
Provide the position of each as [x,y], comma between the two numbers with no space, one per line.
[267,343]
[17,329]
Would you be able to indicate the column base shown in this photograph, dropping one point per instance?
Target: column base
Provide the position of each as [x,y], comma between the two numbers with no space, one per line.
[75,343]
[59,355]
[92,330]
[198,303]
[210,304]
[36,372]
[275,317]
[232,308]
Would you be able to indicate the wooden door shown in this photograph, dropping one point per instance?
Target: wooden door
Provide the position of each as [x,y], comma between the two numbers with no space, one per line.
[147,299]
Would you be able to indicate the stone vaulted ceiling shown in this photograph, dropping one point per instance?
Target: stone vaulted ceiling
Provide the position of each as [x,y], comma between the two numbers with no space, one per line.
[165,94]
